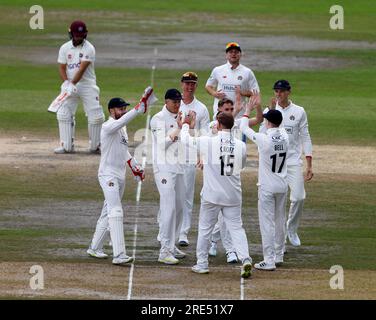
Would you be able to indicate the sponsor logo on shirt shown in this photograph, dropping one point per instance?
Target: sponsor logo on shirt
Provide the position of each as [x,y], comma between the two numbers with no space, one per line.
[289,129]
[224,77]
[81,54]
[240,78]
[86,57]
[123,140]
[228,87]
[292,118]
[74,65]
[164,181]
[111,184]
[69,56]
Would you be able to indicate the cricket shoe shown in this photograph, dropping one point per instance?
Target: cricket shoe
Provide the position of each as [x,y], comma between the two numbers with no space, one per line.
[122,260]
[183,241]
[96,254]
[213,249]
[279,262]
[294,239]
[246,270]
[265,266]
[232,257]
[96,151]
[167,258]
[61,150]
[178,254]
[202,269]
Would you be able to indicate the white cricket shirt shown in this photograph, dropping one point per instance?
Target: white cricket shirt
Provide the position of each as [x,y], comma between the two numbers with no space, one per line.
[72,57]
[168,155]
[273,148]
[223,157]
[114,146]
[225,79]
[296,125]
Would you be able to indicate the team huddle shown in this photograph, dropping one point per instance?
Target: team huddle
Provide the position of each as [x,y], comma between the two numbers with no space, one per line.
[185,140]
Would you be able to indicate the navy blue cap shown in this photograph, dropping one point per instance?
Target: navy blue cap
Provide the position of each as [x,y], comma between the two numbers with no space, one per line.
[173,94]
[282,84]
[274,116]
[117,103]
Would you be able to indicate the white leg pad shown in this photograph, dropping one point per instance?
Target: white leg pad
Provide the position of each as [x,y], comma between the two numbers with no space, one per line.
[115,220]
[95,121]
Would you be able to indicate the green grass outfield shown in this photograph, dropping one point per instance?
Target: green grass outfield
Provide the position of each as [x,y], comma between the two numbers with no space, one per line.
[340,103]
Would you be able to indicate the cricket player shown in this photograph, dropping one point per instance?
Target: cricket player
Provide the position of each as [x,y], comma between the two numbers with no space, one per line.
[111,175]
[220,231]
[189,102]
[223,156]
[224,79]
[168,168]
[272,183]
[76,68]
[296,124]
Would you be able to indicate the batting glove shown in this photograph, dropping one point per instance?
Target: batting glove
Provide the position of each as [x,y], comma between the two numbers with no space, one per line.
[143,104]
[138,172]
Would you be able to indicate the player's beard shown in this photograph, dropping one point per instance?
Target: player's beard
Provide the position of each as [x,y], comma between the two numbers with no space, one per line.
[77,42]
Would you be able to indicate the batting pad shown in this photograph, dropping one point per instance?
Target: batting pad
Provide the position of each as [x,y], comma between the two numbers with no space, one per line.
[66,131]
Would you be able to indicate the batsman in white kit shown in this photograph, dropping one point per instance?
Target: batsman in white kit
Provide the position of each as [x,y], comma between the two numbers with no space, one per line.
[224,156]
[111,175]
[76,68]
[272,183]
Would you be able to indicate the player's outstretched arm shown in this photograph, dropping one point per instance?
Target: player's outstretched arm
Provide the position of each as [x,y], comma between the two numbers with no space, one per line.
[140,108]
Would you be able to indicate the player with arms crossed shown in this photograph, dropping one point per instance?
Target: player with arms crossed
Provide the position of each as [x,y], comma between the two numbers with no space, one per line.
[76,68]
[223,157]
[111,175]
[272,183]
[296,124]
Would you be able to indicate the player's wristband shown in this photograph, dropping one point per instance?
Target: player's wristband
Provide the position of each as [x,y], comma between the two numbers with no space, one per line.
[245,116]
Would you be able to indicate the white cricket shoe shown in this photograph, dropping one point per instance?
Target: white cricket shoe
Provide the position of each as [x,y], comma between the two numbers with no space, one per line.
[96,254]
[200,269]
[167,258]
[183,241]
[265,266]
[246,270]
[294,239]
[213,249]
[232,257]
[178,254]
[122,260]
[61,150]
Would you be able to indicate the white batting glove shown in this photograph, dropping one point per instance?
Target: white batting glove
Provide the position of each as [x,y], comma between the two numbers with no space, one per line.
[71,88]
[137,170]
[64,85]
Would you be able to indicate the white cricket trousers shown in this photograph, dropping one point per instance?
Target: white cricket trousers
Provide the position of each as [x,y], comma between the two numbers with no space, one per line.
[111,218]
[272,216]
[189,177]
[295,180]
[171,187]
[220,232]
[232,217]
